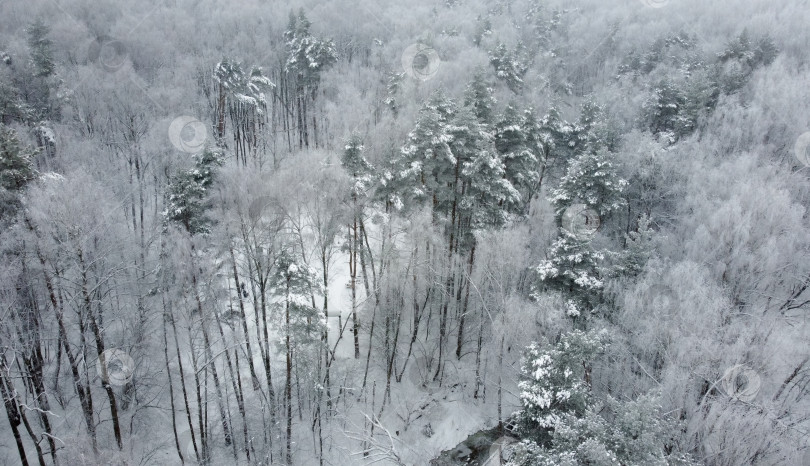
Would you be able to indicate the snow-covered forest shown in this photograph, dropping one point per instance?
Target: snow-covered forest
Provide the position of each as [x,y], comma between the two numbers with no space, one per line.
[424,232]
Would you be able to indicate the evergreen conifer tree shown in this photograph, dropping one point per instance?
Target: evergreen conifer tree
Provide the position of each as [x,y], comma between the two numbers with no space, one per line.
[16,164]
[40,49]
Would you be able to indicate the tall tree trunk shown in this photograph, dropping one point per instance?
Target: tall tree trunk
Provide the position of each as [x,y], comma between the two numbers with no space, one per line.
[288,383]
[202,407]
[258,285]
[94,328]
[198,449]
[500,372]
[243,317]
[480,345]
[449,285]
[221,113]
[34,362]
[367,250]
[214,373]
[418,310]
[12,411]
[169,377]
[237,389]
[391,368]
[353,274]
[34,437]
[305,120]
[460,340]
[370,344]
[447,293]
[82,391]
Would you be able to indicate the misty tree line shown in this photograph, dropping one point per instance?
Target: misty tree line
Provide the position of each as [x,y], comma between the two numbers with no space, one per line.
[154,294]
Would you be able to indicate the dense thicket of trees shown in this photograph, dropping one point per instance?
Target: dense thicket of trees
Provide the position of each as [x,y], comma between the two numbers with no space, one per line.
[341,233]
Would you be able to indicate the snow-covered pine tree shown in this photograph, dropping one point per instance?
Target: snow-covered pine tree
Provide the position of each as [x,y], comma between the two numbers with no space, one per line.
[483,28]
[357,166]
[228,75]
[485,199]
[16,171]
[561,138]
[479,96]
[40,49]
[556,380]
[16,161]
[307,56]
[243,98]
[521,146]
[510,66]
[572,266]
[392,89]
[300,323]
[540,141]
[12,107]
[544,24]
[294,284]
[665,111]
[562,422]
[450,163]
[509,131]
[426,163]
[573,269]
[639,248]
[491,192]
[361,174]
[467,139]
[743,56]
[612,432]
[483,196]
[596,130]
[186,201]
[592,180]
